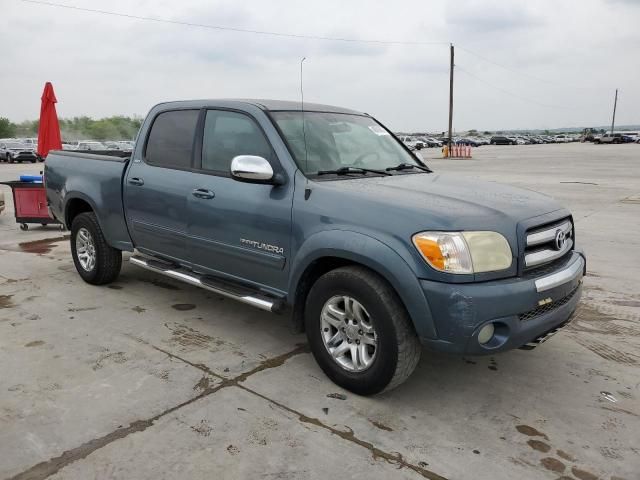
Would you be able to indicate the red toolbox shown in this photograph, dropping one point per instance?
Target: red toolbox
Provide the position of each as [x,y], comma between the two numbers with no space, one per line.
[30,203]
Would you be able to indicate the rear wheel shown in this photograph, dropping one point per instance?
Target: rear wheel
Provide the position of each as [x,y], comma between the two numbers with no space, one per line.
[96,261]
[359,331]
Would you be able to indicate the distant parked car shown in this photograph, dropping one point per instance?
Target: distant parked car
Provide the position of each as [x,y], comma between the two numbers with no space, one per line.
[125,145]
[430,142]
[17,152]
[111,145]
[562,139]
[31,142]
[467,141]
[90,145]
[609,138]
[480,140]
[412,143]
[500,140]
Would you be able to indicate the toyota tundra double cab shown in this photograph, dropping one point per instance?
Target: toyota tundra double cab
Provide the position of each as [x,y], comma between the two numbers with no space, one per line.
[323,213]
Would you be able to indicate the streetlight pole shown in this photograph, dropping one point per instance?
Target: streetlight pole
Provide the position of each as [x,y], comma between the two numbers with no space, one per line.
[450,99]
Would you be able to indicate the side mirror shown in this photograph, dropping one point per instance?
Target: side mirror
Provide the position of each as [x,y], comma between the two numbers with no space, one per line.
[251,168]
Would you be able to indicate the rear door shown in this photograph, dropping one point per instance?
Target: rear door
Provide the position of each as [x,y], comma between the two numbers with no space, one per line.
[238,230]
[157,185]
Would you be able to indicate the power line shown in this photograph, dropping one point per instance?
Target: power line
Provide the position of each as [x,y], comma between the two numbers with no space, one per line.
[515,95]
[230,29]
[518,72]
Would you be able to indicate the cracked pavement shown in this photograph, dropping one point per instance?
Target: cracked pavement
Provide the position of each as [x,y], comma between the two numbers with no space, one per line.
[152,378]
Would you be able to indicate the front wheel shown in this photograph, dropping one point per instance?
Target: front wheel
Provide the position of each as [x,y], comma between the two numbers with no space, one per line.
[96,261]
[359,331]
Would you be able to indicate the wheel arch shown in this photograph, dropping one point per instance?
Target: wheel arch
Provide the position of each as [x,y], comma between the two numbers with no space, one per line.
[75,205]
[329,250]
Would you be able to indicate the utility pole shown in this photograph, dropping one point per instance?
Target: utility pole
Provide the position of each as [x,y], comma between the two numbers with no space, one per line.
[450,98]
[613,120]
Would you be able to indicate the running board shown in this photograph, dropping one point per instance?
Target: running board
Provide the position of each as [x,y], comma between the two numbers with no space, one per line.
[225,288]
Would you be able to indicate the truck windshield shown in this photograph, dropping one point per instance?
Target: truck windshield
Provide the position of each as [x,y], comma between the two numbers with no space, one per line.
[338,140]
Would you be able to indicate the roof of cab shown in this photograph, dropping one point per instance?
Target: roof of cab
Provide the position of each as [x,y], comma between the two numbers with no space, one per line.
[267,105]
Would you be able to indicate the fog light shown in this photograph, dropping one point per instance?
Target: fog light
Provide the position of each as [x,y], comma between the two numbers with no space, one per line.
[486,333]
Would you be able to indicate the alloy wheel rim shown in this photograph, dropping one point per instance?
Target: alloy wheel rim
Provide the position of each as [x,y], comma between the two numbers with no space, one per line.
[85,249]
[348,333]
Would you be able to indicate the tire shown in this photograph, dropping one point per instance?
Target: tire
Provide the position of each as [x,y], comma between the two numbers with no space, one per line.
[397,347]
[107,260]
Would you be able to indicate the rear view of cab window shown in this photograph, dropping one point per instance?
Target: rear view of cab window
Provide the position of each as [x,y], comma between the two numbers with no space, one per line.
[171,139]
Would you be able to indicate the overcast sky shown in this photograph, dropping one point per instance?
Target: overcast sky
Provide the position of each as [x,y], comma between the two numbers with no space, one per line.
[563,59]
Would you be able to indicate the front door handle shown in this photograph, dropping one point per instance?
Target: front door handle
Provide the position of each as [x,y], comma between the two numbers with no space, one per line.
[138,182]
[203,193]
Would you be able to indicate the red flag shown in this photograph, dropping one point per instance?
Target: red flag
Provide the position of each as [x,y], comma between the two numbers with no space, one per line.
[49,131]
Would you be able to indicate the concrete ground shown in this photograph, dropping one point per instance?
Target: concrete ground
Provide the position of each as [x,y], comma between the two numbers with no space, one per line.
[149,378]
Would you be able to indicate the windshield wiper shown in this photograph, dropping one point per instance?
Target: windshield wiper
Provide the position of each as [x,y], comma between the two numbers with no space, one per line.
[408,166]
[346,170]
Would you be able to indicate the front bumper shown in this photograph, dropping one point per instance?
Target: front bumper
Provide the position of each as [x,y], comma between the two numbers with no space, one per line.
[24,157]
[525,311]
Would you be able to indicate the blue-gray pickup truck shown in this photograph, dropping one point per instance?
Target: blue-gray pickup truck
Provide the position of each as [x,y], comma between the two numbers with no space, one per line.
[323,213]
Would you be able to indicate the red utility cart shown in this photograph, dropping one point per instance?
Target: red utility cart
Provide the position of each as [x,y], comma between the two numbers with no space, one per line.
[30,203]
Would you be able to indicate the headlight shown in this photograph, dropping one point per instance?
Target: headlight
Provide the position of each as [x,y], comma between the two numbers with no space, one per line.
[464,252]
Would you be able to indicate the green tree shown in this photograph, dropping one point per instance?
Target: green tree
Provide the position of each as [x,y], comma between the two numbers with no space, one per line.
[7,128]
[28,128]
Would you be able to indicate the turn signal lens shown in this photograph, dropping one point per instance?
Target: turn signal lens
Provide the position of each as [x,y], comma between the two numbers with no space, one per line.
[430,250]
[444,251]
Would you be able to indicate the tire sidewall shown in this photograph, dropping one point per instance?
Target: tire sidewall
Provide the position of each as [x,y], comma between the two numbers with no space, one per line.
[82,222]
[380,373]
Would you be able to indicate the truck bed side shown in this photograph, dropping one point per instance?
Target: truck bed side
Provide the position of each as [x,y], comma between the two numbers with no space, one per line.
[77,182]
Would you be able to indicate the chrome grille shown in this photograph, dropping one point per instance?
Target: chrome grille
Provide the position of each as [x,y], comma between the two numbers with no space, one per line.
[548,243]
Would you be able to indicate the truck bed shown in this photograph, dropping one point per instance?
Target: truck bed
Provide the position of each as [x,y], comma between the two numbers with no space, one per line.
[75,179]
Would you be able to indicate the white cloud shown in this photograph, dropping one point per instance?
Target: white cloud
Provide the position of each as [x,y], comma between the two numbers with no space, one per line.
[103,65]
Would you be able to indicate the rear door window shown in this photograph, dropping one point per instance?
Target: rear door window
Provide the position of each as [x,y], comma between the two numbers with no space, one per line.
[170,142]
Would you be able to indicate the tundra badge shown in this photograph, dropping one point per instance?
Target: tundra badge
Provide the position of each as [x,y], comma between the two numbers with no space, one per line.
[262,246]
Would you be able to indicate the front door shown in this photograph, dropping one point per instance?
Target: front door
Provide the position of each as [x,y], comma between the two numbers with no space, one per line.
[238,230]
[157,186]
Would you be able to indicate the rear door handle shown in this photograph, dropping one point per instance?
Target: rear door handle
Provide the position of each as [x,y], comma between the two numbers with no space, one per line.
[203,193]
[136,181]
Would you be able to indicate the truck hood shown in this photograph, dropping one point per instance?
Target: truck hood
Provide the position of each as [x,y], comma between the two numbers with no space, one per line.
[446,201]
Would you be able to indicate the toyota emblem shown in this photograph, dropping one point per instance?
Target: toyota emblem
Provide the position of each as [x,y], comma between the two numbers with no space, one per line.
[561,239]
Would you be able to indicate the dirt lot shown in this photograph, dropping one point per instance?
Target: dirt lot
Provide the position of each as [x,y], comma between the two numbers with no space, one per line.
[151,378]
